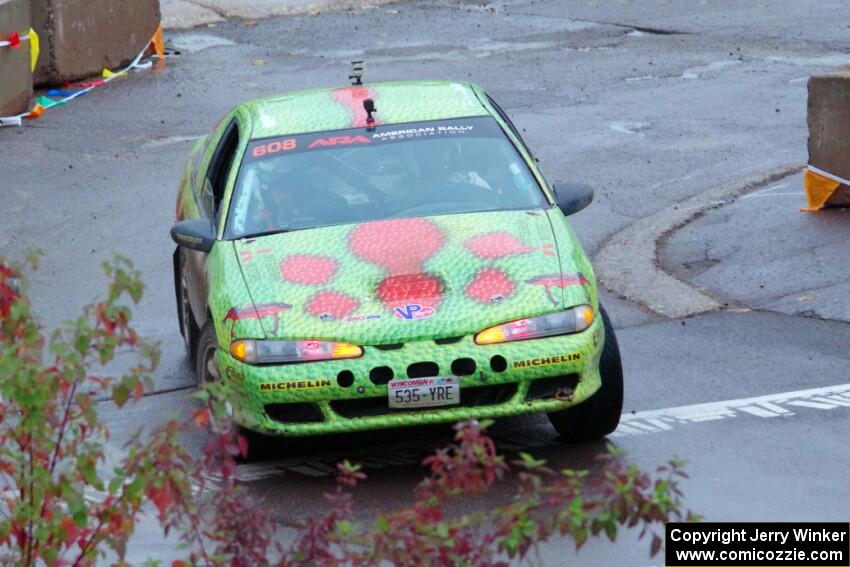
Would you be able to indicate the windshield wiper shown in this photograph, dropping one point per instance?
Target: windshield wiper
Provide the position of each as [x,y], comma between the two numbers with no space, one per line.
[268,232]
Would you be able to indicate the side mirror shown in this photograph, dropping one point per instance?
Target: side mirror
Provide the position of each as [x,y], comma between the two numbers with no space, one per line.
[572,197]
[194,234]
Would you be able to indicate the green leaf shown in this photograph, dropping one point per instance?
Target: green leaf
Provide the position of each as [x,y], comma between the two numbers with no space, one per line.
[530,461]
[611,531]
[120,393]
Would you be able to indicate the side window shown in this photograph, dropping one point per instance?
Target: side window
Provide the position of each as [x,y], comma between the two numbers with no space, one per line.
[219,170]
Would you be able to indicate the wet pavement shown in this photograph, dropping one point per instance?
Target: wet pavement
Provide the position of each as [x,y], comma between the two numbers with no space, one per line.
[762,252]
[650,104]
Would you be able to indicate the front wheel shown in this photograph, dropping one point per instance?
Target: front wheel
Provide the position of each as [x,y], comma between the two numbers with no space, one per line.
[599,415]
[260,447]
[206,360]
[188,328]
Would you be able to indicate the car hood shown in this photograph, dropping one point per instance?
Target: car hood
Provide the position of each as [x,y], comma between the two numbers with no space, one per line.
[401,280]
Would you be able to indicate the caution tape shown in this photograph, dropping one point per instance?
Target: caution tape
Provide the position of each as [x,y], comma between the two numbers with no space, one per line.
[44,103]
[824,189]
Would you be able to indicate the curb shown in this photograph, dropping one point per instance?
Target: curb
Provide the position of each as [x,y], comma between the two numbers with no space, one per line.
[628,263]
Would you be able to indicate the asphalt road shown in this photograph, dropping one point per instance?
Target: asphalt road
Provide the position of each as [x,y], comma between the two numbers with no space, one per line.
[650,102]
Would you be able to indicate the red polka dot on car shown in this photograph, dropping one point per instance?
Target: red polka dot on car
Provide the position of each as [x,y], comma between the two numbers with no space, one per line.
[495,245]
[308,270]
[401,246]
[490,286]
[332,305]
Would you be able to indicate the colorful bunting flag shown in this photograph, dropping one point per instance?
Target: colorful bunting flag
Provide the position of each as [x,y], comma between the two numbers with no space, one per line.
[824,189]
[35,43]
[155,46]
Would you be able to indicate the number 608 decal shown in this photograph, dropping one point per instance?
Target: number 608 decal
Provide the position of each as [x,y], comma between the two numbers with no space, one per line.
[274,148]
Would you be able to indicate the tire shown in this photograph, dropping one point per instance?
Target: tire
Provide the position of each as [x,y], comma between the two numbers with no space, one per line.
[260,447]
[188,327]
[206,367]
[599,415]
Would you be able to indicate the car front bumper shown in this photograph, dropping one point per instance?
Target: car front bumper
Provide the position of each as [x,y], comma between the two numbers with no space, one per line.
[533,376]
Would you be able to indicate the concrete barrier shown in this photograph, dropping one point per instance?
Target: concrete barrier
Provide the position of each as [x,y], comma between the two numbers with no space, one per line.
[829,129]
[15,65]
[82,37]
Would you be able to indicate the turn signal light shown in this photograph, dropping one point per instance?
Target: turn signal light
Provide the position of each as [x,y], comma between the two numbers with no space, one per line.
[283,352]
[567,322]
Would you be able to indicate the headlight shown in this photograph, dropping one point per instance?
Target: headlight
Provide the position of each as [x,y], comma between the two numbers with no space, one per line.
[281,352]
[566,322]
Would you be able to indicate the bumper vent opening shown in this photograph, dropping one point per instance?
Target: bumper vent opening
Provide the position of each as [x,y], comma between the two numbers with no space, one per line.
[464,367]
[381,375]
[301,412]
[488,395]
[345,378]
[544,388]
[423,370]
[394,346]
[498,363]
[448,340]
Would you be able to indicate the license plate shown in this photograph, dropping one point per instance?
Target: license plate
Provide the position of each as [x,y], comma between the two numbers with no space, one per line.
[424,392]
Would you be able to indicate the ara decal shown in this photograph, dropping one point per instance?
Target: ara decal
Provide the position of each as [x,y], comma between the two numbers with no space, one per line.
[256,312]
[557,280]
[501,244]
[339,141]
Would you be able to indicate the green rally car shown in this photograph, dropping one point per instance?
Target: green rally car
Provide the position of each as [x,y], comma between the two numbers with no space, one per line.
[385,255]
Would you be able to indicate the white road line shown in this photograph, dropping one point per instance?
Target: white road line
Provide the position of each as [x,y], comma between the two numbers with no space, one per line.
[756,196]
[775,408]
[834,400]
[758,411]
[771,405]
[639,423]
[811,404]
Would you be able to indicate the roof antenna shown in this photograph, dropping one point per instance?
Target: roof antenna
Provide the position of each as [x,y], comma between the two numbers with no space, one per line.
[356,76]
[369,107]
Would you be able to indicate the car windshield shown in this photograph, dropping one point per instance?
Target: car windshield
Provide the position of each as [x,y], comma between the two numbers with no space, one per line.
[394,171]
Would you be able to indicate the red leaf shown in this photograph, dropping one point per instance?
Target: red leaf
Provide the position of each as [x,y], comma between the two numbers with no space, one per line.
[71,531]
[243,445]
[201,417]
[139,391]
[64,387]
[161,497]
[15,40]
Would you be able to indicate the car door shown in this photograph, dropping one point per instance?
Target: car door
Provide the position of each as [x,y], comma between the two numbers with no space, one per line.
[209,190]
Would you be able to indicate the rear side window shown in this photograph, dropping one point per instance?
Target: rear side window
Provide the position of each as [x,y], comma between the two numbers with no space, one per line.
[219,169]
